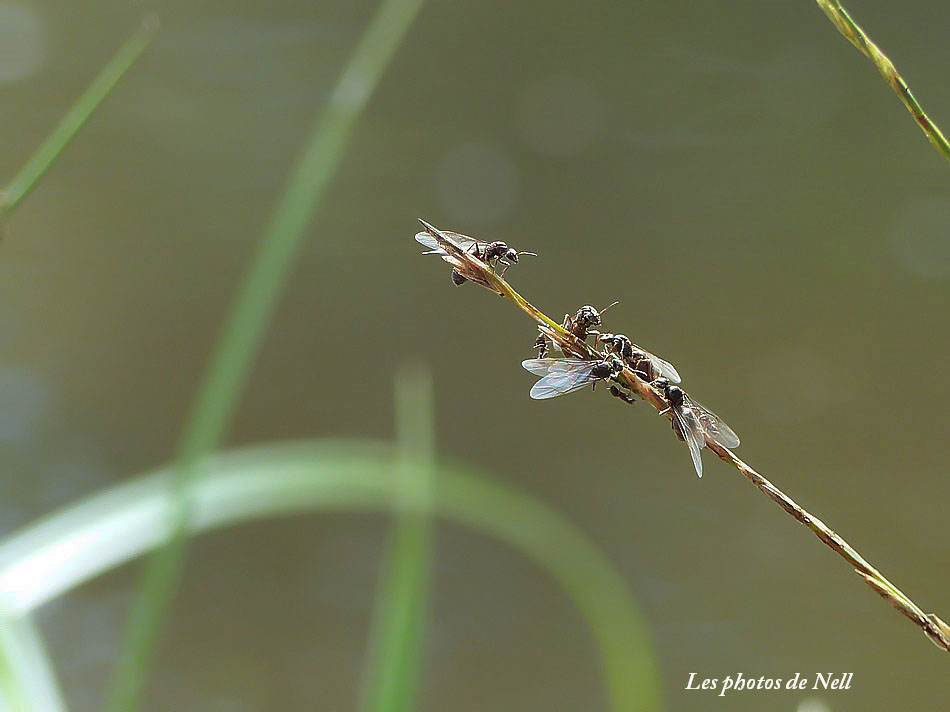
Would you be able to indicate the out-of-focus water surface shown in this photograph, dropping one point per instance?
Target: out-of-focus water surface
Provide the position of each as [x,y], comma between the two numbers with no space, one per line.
[738,176]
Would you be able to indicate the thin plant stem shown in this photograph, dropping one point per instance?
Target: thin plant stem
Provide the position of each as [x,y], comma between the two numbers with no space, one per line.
[856,36]
[390,679]
[479,272]
[76,117]
[239,342]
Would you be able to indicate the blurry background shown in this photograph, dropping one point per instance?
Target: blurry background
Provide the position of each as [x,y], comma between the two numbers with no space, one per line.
[739,177]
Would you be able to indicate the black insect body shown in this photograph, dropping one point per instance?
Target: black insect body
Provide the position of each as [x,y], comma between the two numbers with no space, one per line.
[566,375]
[648,365]
[584,321]
[491,253]
[694,423]
[502,253]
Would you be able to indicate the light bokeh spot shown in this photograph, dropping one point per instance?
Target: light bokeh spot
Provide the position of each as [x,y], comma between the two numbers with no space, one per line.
[561,115]
[22,42]
[24,397]
[790,378]
[477,183]
[813,704]
[789,88]
[919,237]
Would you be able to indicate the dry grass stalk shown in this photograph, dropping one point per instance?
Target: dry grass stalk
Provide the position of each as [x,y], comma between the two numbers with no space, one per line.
[475,270]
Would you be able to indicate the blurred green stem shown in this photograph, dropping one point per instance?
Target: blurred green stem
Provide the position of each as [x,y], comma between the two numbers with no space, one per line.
[76,117]
[856,36]
[238,344]
[390,679]
[109,528]
[27,680]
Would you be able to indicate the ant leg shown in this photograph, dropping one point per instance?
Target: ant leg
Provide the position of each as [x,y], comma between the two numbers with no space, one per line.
[622,395]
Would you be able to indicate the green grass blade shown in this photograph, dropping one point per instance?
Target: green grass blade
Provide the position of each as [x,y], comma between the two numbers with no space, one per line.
[300,201]
[27,680]
[390,679]
[76,117]
[246,325]
[110,528]
[852,32]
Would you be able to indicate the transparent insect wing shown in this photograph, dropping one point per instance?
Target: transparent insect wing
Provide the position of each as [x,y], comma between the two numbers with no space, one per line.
[428,240]
[545,366]
[714,426]
[559,384]
[464,241]
[665,369]
[692,432]
[560,376]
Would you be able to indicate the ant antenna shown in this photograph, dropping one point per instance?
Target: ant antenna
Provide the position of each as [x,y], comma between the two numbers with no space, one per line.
[608,307]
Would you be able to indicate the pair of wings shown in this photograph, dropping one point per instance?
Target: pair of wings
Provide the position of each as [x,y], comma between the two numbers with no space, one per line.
[463,242]
[694,421]
[559,375]
[697,424]
[664,368]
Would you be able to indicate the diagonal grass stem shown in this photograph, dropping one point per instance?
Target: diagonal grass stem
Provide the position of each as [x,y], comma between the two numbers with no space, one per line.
[852,32]
[244,330]
[77,116]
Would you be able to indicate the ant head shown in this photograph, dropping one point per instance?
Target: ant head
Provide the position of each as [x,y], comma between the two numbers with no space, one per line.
[587,316]
[511,255]
[674,394]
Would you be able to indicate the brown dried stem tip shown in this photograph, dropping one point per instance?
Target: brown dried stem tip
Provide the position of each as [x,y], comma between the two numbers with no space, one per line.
[478,271]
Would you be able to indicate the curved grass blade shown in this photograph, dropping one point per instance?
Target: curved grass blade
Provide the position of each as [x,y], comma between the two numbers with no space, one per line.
[112,527]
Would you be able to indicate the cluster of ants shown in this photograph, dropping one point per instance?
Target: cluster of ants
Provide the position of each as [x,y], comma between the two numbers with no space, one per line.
[692,422]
